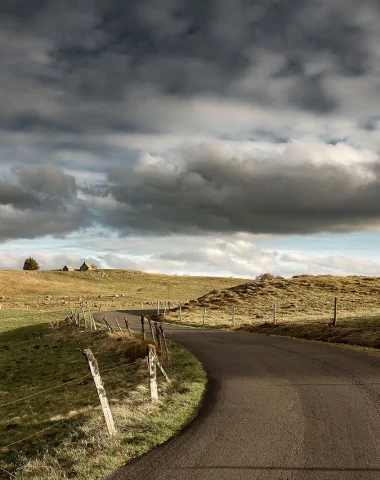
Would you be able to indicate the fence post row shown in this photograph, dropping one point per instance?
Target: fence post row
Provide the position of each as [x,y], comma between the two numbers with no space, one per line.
[94,368]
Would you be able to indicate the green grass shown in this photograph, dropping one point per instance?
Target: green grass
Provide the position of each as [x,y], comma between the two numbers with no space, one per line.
[36,357]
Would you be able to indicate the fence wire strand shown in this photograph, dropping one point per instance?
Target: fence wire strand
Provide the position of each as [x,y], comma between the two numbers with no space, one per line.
[64,384]
[47,428]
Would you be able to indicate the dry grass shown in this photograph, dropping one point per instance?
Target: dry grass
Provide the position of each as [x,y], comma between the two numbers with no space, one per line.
[304,309]
[55,289]
[297,299]
[36,357]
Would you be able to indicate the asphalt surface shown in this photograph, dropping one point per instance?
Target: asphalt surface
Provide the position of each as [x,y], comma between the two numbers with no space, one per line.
[275,408]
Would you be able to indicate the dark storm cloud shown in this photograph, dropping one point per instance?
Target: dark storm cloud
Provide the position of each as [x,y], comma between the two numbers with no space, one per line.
[68,66]
[218,190]
[75,75]
[40,201]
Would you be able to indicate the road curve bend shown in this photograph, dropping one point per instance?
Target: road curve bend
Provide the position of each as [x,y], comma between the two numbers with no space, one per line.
[275,409]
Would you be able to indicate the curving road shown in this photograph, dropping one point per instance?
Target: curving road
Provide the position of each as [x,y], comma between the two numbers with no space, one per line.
[275,409]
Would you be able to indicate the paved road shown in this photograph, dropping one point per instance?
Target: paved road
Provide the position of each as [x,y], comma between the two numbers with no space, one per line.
[275,409]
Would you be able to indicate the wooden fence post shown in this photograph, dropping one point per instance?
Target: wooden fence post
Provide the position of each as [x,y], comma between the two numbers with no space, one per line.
[152,372]
[158,307]
[204,316]
[151,329]
[110,329]
[233,316]
[127,325]
[142,326]
[93,321]
[118,325]
[164,341]
[157,331]
[94,368]
[335,311]
[180,311]
[274,313]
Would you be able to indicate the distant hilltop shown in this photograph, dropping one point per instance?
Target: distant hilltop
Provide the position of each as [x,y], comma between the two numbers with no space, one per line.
[86,266]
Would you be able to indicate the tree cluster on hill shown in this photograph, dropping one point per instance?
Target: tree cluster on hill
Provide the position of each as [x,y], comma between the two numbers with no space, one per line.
[30,264]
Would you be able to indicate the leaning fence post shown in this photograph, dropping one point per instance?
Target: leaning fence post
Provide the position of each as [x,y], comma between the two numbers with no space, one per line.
[127,325]
[94,368]
[142,326]
[152,372]
[157,331]
[335,311]
[151,329]
[118,325]
[93,321]
[164,341]
[274,313]
[110,329]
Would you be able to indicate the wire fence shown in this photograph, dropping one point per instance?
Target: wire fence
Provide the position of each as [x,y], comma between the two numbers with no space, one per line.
[72,320]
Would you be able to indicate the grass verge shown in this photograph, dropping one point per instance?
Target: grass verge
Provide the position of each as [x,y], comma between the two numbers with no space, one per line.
[36,357]
[363,332]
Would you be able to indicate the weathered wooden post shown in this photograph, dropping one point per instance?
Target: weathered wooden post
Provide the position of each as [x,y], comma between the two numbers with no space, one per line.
[93,321]
[110,329]
[94,369]
[152,372]
[142,326]
[164,341]
[180,311]
[118,325]
[274,313]
[157,331]
[233,316]
[151,330]
[204,316]
[158,307]
[127,325]
[335,311]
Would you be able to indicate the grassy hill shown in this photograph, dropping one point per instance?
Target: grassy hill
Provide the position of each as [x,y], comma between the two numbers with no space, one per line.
[53,289]
[305,298]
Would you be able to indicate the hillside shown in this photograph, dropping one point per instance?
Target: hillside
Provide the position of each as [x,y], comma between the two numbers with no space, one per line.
[303,298]
[105,288]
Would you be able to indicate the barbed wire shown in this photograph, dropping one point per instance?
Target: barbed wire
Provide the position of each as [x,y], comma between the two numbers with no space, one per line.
[64,384]
[9,473]
[47,428]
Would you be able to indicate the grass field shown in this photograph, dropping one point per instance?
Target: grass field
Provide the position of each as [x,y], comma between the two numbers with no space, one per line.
[55,289]
[36,357]
[304,309]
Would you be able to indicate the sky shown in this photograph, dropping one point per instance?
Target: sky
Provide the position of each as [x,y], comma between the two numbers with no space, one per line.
[199,137]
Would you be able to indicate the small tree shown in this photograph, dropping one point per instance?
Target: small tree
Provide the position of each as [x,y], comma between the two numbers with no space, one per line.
[30,264]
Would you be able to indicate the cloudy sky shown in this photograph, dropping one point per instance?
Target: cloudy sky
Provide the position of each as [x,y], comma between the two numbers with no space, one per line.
[224,137]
